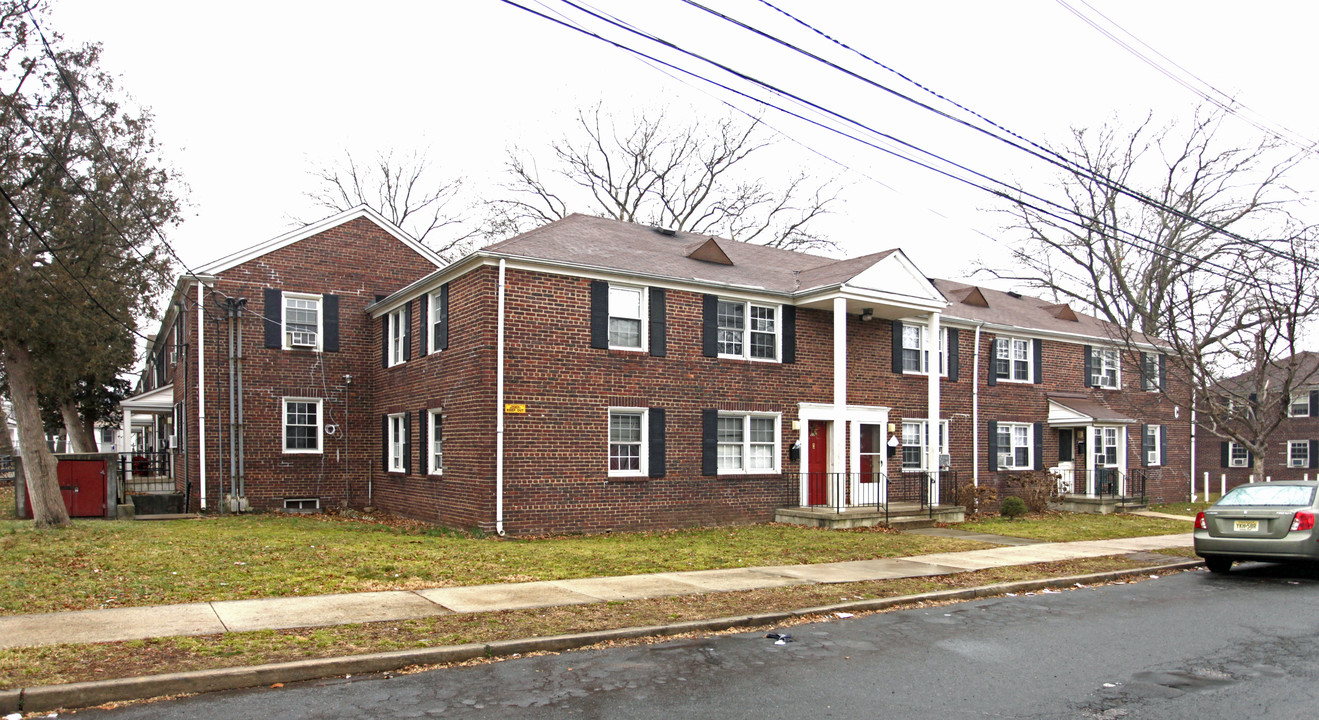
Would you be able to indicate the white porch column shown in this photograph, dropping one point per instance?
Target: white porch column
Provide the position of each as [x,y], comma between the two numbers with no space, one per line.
[128,441]
[932,446]
[838,438]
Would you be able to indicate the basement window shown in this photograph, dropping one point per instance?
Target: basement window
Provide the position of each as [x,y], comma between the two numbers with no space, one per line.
[302,504]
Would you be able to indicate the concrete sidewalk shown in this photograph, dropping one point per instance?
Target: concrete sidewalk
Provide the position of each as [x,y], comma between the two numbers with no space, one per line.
[117,624]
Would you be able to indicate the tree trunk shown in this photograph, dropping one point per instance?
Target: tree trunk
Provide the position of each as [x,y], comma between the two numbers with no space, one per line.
[80,440]
[6,445]
[44,497]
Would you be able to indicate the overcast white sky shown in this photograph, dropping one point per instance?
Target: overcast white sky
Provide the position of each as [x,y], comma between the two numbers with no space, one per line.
[249,95]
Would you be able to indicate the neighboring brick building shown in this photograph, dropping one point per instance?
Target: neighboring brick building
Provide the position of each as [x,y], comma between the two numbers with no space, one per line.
[1293,447]
[593,375]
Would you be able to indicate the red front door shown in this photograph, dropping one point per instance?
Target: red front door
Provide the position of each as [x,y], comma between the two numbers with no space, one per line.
[817,462]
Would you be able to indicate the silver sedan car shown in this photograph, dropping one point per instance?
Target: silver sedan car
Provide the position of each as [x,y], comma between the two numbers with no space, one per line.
[1271,521]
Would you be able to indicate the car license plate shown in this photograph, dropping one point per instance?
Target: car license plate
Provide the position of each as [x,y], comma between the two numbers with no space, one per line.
[1245,525]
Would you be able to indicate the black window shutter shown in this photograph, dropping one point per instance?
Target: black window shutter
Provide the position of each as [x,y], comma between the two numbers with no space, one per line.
[1163,372]
[710,326]
[993,445]
[1163,445]
[897,347]
[423,441]
[1250,458]
[658,326]
[1037,348]
[992,377]
[407,443]
[407,331]
[1314,454]
[274,314]
[330,308]
[1144,371]
[384,443]
[1089,364]
[384,340]
[423,328]
[952,355]
[1314,403]
[1144,445]
[709,441]
[655,462]
[599,314]
[1038,431]
[1223,454]
[789,333]
[442,341]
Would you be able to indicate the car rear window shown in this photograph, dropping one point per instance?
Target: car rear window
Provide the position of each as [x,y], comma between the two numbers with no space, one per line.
[1266,494]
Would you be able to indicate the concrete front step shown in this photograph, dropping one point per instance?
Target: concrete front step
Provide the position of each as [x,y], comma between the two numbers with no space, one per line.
[902,516]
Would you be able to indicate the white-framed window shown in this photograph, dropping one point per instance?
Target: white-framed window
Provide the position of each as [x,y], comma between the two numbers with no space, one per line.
[398,335]
[1012,360]
[1237,455]
[1104,450]
[435,440]
[627,441]
[916,441]
[398,437]
[302,321]
[1298,453]
[302,425]
[1299,405]
[748,330]
[437,319]
[748,443]
[1153,445]
[1104,370]
[1153,371]
[627,317]
[1015,446]
[916,349]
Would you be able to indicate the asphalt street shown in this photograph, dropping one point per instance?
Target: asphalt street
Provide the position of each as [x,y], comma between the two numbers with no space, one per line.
[1191,645]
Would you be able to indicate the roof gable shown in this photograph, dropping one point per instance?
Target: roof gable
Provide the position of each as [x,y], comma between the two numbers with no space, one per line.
[896,274]
[361,211]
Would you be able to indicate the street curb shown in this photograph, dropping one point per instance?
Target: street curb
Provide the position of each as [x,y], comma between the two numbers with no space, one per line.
[85,694]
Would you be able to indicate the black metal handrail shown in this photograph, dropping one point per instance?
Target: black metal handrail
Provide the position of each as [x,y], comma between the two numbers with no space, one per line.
[145,471]
[841,491]
[6,469]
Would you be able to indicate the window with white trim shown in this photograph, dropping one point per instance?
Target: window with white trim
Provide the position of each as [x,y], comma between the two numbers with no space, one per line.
[748,443]
[1299,405]
[302,321]
[1298,453]
[1153,445]
[435,438]
[437,319]
[916,442]
[1015,446]
[302,425]
[1012,360]
[627,441]
[1237,455]
[1104,371]
[748,330]
[627,312]
[1153,371]
[398,430]
[916,350]
[398,335]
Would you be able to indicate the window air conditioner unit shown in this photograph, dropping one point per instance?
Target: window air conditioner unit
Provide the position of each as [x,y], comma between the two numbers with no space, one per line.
[1005,460]
[945,461]
[301,339]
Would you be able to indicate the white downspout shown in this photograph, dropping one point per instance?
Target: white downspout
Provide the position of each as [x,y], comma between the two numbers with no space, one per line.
[201,398]
[499,408]
[975,413]
[932,426]
[1191,410]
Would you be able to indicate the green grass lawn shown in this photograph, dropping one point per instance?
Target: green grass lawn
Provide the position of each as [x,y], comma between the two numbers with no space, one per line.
[1065,527]
[1185,508]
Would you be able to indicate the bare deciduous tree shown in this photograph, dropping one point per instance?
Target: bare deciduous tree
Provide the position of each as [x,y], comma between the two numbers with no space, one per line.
[652,171]
[404,190]
[1174,233]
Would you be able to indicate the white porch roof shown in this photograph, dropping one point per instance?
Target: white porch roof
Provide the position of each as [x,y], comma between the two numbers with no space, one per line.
[1079,412]
[160,400]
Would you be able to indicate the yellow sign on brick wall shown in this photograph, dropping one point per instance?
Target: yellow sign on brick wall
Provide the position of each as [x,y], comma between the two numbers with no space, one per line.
[515,409]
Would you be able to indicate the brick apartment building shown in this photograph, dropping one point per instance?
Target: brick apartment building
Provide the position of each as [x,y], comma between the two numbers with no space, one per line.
[593,375]
[1293,448]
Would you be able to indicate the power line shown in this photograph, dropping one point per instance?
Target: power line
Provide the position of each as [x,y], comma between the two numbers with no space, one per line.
[1153,247]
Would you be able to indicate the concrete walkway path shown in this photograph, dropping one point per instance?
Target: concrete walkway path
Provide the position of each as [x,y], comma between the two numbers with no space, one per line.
[134,623]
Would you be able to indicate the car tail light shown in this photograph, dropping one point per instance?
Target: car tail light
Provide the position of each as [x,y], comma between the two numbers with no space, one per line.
[1200,523]
[1303,521]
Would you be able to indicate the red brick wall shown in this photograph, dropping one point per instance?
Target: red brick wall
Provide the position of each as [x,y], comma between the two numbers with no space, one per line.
[355,261]
[1208,457]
